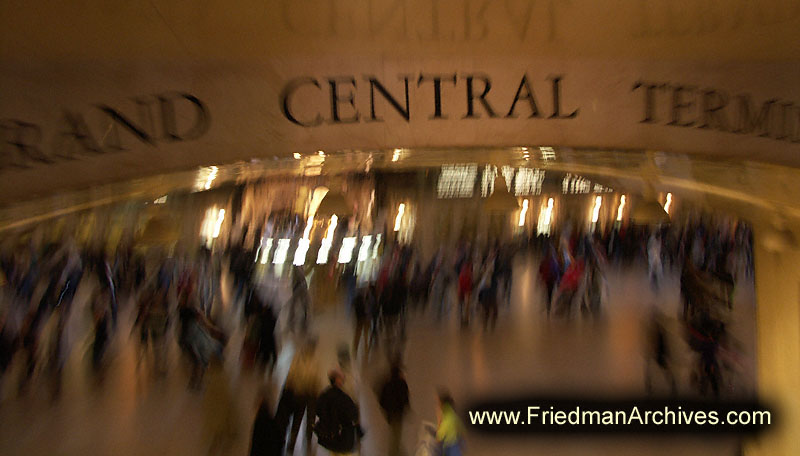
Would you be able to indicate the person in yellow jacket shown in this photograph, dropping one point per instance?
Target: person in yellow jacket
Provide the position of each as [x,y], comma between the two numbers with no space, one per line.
[449,429]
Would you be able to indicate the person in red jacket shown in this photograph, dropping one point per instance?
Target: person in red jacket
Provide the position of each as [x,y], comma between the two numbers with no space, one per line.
[569,286]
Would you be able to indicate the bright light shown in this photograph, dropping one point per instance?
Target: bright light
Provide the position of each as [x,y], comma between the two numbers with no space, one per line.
[363,251]
[265,251]
[396,155]
[529,181]
[321,153]
[487,180]
[205,177]
[377,245]
[309,224]
[209,223]
[668,203]
[297,156]
[523,212]
[322,255]
[211,176]
[399,219]
[545,217]
[332,227]
[573,184]
[548,153]
[598,201]
[218,226]
[346,252]
[161,200]
[300,253]
[621,208]
[281,250]
[457,181]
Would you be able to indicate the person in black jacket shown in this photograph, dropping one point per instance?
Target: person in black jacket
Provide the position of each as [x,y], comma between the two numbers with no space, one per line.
[394,402]
[337,426]
[268,438]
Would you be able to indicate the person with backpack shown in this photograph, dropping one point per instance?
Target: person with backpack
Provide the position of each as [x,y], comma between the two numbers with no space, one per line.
[337,426]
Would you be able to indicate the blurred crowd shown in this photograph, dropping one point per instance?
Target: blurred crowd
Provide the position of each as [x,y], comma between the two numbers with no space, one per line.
[177,297]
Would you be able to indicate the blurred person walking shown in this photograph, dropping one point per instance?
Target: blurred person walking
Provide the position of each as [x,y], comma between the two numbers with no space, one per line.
[550,273]
[363,306]
[153,321]
[568,287]
[449,429]
[299,394]
[393,399]
[337,425]
[300,300]
[465,290]
[487,294]
[654,259]
[659,352]
[267,437]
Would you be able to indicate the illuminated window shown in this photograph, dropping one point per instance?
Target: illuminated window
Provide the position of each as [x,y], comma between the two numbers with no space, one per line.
[281,251]
[487,180]
[548,153]
[324,249]
[399,219]
[457,181]
[523,213]
[346,251]
[545,218]
[363,251]
[301,252]
[377,246]
[265,251]
[529,181]
[508,174]
[621,208]
[668,203]
[598,201]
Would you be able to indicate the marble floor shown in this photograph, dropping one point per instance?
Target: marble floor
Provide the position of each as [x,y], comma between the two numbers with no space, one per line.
[133,414]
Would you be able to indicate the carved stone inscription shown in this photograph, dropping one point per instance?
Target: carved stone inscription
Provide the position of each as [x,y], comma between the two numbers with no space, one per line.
[25,144]
[681,105]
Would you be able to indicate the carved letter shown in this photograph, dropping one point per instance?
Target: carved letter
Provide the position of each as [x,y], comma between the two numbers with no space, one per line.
[286,95]
[487,86]
[747,123]
[23,139]
[679,105]
[523,84]
[118,119]
[77,133]
[437,91]
[649,100]
[337,98]
[713,116]
[375,84]
[557,101]
[168,119]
